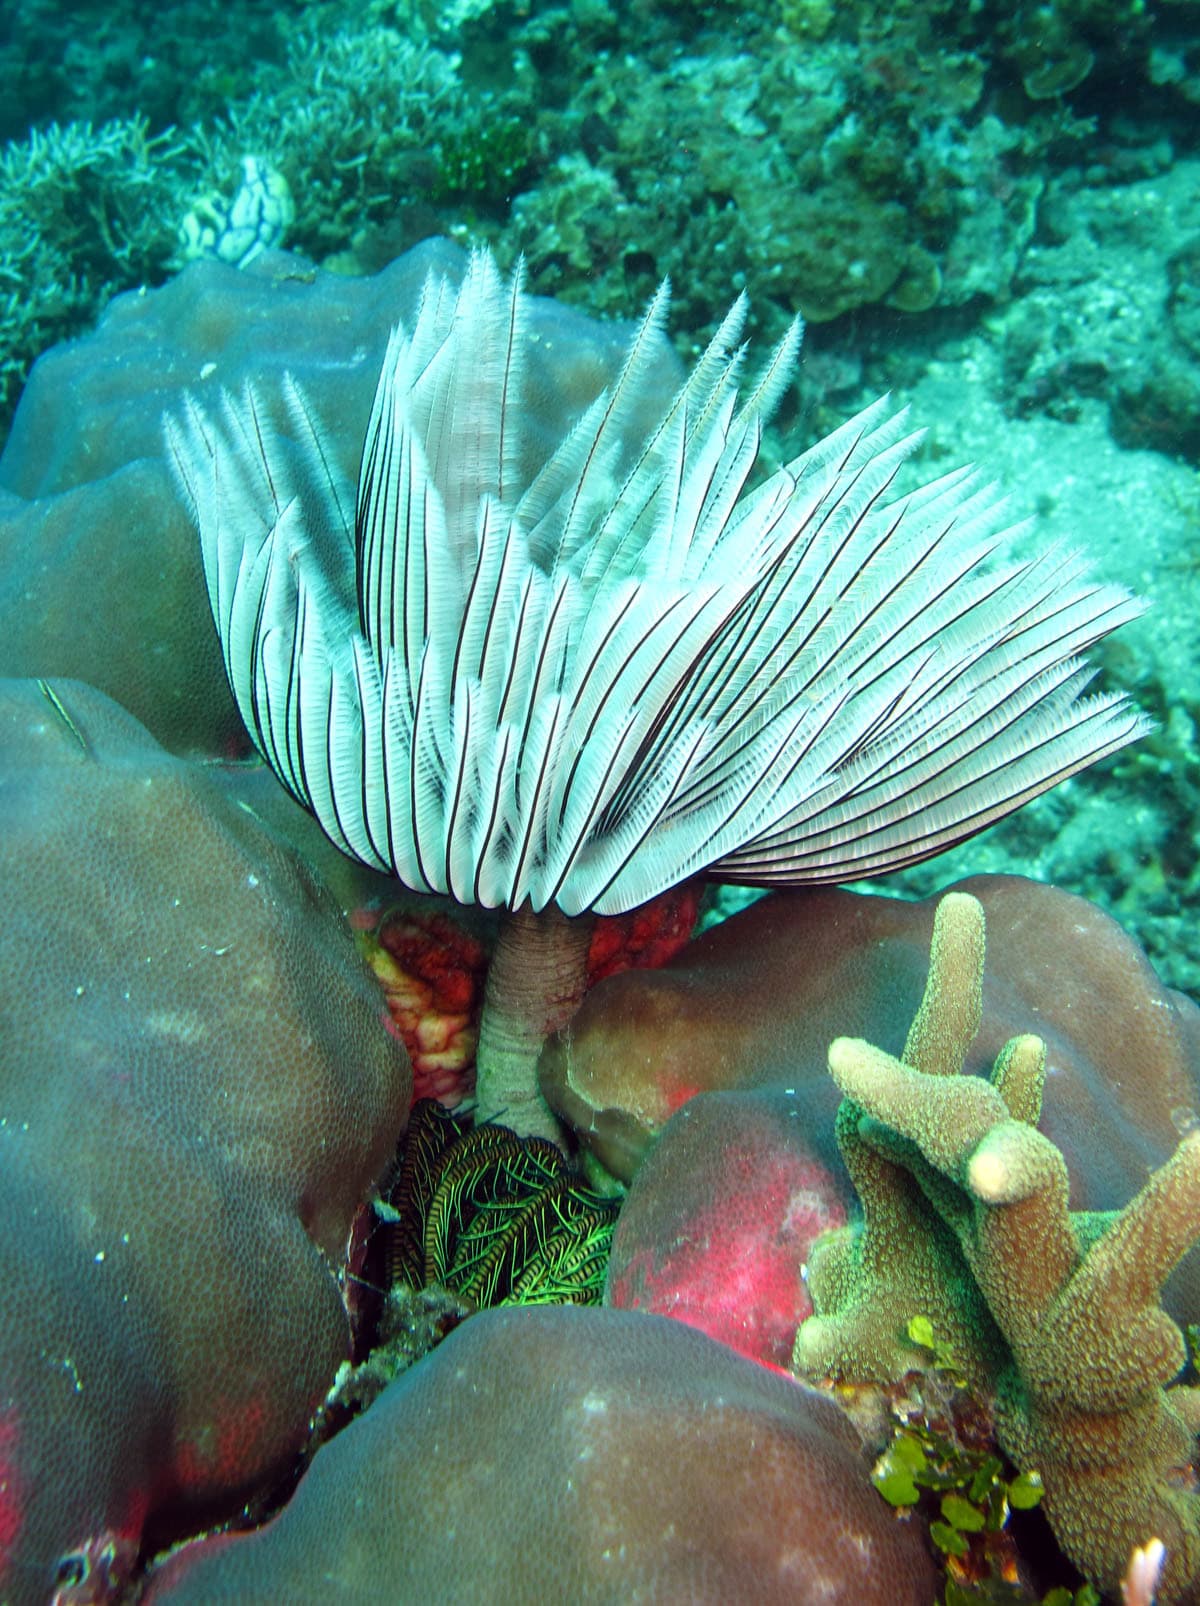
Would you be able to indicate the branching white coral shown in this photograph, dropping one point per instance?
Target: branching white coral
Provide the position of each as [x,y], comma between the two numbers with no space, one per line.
[572,685]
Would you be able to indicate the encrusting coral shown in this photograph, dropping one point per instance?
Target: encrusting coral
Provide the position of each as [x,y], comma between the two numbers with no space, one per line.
[433,970]
[560,682]
[1051,1314]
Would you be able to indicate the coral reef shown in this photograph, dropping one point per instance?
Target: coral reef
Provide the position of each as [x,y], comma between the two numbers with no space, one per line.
[903,156]
[561,681]
[89,207]
[754,1003]
[991,197]
[1108,311]
[581,1454]
[73,61]
[356,130]
[81,216]
[196,1099]
[1053,1316]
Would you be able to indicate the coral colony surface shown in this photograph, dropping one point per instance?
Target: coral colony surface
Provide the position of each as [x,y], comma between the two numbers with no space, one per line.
[461,1138]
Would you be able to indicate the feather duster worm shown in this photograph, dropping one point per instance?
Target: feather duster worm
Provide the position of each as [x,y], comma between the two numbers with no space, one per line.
[563,687]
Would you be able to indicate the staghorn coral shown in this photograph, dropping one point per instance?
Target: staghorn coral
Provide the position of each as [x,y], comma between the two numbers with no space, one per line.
[354,128]
[560,684]
[1053,1315]
[739,1011]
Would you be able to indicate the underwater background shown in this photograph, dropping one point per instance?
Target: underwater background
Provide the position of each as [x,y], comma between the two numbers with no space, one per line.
[991,211]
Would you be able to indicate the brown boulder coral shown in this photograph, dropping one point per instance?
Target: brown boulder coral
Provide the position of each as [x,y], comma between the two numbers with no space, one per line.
[1052,1315]
[582,1455]
[196,1098]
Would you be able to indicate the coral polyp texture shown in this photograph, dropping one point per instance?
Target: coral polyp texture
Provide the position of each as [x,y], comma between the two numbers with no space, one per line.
[1052,1315]
[196,1101]
[575,1454]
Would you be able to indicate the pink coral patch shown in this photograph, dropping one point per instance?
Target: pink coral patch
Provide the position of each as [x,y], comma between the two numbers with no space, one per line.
[12,1495]
[733,1271]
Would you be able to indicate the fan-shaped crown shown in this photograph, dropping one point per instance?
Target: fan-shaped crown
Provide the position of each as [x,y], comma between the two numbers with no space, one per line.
[584,683]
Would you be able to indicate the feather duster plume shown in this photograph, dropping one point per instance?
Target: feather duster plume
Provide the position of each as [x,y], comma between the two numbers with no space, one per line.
[583,686]
[564,686]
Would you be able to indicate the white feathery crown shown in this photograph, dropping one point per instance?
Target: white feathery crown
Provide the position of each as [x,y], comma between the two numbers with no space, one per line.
[584,683]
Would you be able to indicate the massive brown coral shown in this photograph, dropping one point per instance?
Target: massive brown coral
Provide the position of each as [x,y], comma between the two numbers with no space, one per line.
[196,1097]
[1053,1315]
[582,1455]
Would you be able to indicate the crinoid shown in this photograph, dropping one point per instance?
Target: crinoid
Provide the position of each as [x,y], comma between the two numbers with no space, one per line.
[493,1218]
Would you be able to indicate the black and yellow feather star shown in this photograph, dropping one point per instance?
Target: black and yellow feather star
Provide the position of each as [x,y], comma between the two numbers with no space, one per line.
[493,1218]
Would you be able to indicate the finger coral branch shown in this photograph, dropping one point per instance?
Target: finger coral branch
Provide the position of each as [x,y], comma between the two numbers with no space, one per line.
[1019,1075]
[1053,1316]
[945,1025]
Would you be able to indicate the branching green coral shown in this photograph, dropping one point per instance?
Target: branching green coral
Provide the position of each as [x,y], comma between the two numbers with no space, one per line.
[89,210]
[1053,1315]
[355,132]
[84,211]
